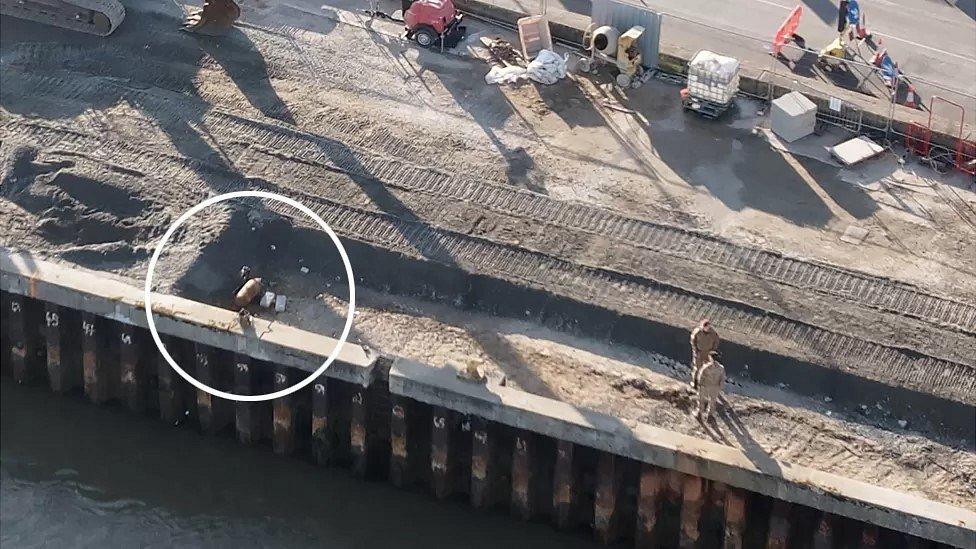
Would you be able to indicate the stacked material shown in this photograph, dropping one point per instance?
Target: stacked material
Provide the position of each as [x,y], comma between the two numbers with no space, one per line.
[793,116]
[713,77]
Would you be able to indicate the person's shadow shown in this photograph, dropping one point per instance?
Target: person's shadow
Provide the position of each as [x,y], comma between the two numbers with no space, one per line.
[756,454]
[244,64]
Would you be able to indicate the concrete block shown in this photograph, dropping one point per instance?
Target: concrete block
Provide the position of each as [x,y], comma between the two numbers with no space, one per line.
[793,116]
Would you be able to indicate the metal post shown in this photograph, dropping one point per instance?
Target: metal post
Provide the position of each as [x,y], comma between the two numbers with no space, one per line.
[564,489]
[323,431]
[482,463]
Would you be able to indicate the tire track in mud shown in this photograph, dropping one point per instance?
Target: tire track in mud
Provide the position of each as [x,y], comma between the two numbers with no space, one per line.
[627,294]
[359,157]
[290,55]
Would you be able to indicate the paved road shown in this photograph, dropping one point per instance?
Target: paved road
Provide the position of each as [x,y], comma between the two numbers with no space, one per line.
[932,39]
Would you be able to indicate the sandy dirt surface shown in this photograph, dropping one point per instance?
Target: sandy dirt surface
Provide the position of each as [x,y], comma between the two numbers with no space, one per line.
[106,142]
[765,422]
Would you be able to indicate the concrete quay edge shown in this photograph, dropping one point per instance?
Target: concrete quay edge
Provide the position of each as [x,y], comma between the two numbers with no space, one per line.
[648,444]
[21,273]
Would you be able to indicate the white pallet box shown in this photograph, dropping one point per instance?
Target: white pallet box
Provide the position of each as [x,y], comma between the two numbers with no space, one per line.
[793,116]
[713,77]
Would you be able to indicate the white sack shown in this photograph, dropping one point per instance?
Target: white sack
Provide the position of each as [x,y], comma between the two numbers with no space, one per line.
[504,75]
[547,67]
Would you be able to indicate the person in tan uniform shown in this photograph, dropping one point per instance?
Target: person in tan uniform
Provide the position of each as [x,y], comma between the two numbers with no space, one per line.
[711,381]
[704,340]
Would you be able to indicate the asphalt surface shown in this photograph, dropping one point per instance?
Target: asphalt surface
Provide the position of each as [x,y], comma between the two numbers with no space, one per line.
[934,41]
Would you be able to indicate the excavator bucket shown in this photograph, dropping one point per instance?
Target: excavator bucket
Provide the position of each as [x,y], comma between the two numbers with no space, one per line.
[215,18]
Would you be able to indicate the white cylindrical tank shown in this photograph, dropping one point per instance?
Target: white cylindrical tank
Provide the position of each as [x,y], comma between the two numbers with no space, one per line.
[605,40]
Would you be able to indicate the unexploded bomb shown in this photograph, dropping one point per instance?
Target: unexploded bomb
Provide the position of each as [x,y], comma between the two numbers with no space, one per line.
[248,292]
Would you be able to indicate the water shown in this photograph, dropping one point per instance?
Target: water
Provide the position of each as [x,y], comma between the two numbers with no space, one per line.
[77,475]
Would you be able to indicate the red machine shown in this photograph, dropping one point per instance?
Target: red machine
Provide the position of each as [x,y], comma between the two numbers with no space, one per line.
[433,22]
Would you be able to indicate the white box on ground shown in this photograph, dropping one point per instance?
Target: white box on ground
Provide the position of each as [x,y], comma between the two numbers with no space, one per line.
[280,303]
[267,299]
[793,116]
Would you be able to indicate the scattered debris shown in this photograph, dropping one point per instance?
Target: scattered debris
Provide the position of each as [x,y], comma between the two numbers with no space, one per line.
[902,423]
[501,51]
[475,371]
[279,304]
[547,68]
[267,300]
[616,107]
[244,317]
[854,235]
[472,371]
[304,270]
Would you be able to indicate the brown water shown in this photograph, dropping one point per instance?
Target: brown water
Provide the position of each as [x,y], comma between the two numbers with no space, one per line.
[77,475]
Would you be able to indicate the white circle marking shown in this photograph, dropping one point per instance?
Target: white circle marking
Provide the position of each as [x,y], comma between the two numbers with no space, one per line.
[345,329]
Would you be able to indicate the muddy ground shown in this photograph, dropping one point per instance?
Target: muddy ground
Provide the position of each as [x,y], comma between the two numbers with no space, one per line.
[106,142]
